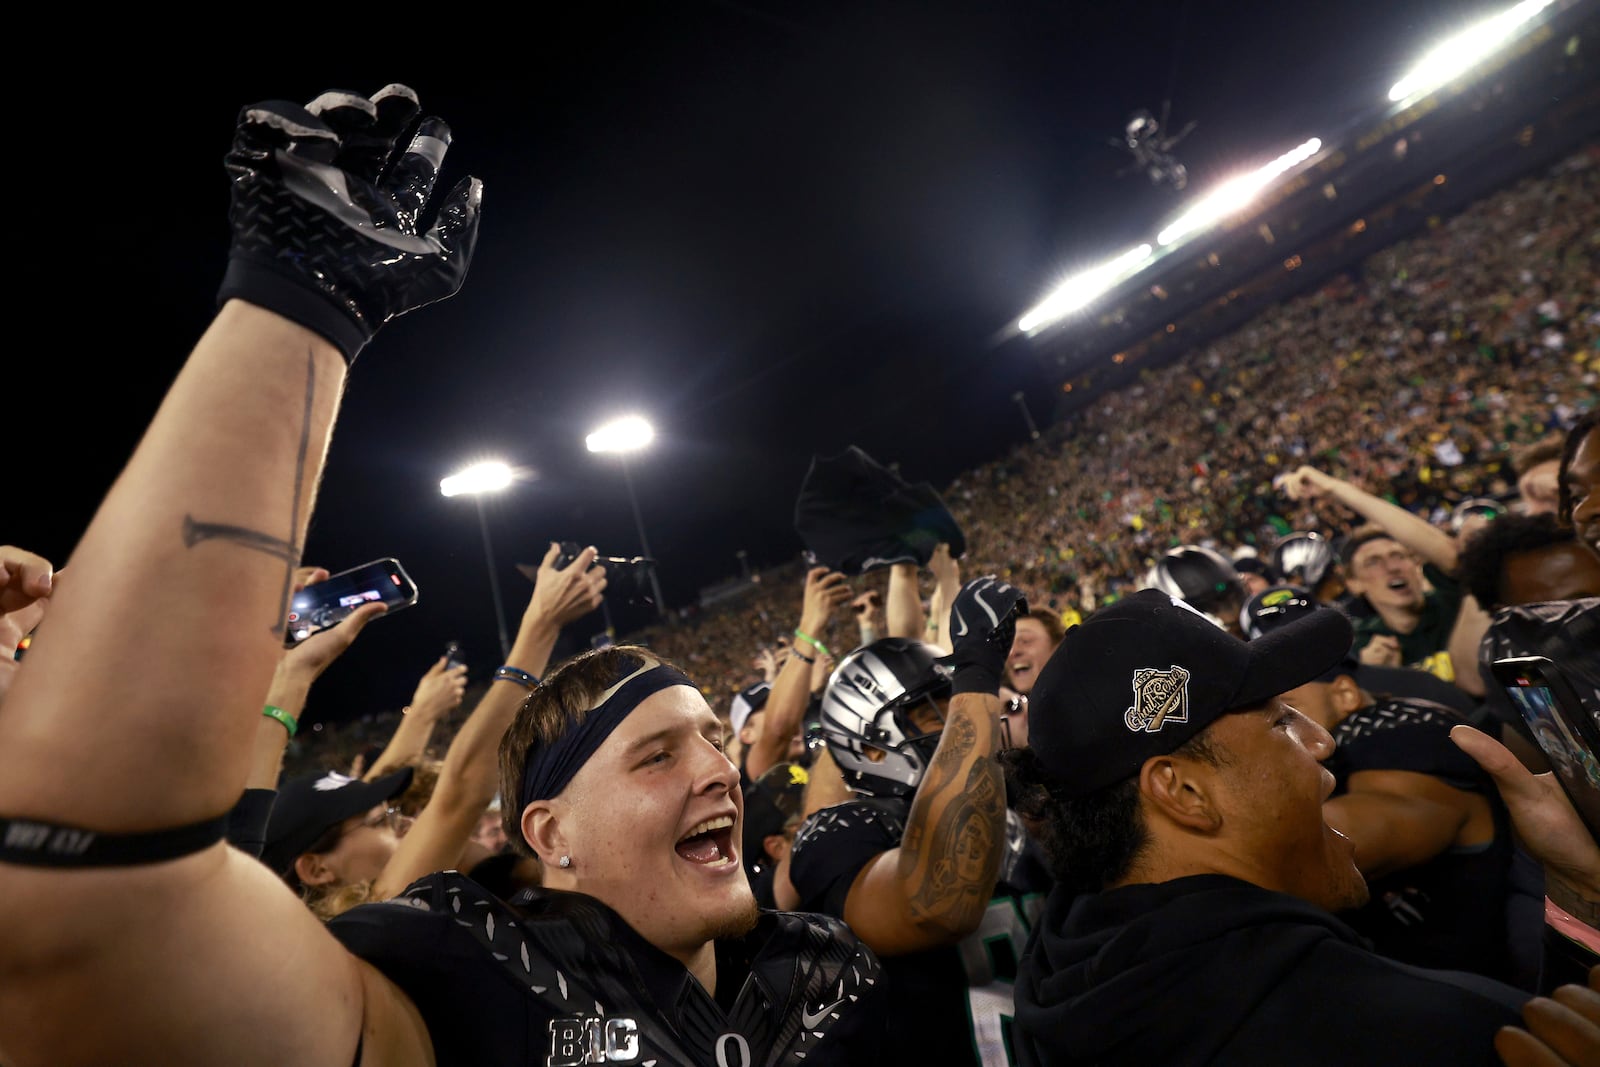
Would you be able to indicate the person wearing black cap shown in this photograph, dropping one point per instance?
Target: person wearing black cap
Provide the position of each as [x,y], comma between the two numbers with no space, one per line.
[1192,919]
[1432,836]
[743,721]
[328,829]
[133,934]
[1255,573]
[773,811]
[321,846]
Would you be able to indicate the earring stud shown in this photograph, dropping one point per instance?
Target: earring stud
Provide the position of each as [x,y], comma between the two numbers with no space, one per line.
[566,861]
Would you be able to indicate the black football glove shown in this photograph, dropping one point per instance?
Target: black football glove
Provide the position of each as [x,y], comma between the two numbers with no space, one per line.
[983,622]
[325,213]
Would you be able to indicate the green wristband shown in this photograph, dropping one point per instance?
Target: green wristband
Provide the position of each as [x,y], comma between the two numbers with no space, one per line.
[272,711]
[813,642]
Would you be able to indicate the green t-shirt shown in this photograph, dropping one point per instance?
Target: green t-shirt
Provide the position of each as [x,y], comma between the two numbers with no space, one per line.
[1427,646]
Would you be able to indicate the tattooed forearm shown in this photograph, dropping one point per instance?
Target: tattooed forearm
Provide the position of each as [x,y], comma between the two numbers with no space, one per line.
[195,531]
[950,870]
[957,741]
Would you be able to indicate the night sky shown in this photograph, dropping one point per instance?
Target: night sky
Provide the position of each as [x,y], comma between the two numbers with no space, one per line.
[774,229]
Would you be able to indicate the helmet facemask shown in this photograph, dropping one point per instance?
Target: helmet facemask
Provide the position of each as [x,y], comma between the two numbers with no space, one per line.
[867,715]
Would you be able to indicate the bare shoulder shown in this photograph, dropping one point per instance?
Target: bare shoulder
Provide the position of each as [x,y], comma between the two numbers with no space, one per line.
[392,1031]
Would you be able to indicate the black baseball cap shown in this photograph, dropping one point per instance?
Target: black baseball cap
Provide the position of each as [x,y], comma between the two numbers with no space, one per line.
[771,801]
[1142,676]
[1254,565]
[746,702]
[308,807]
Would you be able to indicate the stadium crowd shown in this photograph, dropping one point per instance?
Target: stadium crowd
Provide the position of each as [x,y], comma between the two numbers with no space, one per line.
[972,849]
[1420,379]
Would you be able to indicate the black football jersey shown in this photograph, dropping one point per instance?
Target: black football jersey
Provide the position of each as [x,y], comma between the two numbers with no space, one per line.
[946,1005]
[559,979]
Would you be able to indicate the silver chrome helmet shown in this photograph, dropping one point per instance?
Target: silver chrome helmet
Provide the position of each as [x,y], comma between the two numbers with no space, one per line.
[866,705]
[1304,559]
[1201,577]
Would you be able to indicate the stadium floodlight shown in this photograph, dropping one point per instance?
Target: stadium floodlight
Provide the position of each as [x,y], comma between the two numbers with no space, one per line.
[1234,195]
[488,477]
[627,434]
[630,433]
[1078,290]
[1469,47]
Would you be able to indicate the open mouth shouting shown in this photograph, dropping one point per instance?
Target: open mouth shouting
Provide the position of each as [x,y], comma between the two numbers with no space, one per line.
[710,844]
[1402,588]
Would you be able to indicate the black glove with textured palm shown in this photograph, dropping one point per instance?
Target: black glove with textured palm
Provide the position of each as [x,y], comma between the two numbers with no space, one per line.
[983,622]
[325,213]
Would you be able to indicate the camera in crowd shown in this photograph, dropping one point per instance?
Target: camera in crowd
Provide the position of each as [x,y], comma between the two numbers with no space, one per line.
[627,577]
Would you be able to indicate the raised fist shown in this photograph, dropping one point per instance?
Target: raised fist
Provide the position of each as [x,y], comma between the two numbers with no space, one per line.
[983,622]
[325,213]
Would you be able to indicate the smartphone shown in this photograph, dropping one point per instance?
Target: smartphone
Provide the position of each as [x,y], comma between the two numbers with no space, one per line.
[1564,727]
[453,656]
[326,603]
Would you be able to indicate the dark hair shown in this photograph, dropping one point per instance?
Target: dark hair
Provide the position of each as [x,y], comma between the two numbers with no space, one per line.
[1090,842]
[1586,425]
[1359,536]
[563,700]
[1482,562]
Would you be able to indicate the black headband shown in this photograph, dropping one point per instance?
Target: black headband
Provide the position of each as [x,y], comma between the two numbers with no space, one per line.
[550,768]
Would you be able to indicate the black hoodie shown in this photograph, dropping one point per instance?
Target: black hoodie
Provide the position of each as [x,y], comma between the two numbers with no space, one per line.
[1212,970]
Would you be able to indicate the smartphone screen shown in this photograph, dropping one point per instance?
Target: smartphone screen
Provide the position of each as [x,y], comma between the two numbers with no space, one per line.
[1558,720]
[326,603]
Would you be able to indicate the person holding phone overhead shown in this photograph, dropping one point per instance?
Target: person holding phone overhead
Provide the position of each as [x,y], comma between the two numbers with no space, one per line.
[333,838]
[114,885]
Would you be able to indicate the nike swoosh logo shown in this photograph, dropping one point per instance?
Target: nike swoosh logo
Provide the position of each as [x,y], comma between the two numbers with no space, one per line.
[994,620]
[808,1020]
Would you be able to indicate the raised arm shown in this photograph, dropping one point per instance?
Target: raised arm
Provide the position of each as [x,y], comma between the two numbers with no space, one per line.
[933,889]
[202,529]
[780,720]
[438,693]
[297,671]
[947,585]
[903,603]
[1432,544]
[470,776]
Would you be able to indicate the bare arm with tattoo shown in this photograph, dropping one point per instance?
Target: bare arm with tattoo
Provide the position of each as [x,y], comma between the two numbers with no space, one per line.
[115,727]
[933,889]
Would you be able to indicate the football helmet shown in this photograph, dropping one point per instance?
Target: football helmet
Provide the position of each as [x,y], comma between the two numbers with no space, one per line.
[866,706]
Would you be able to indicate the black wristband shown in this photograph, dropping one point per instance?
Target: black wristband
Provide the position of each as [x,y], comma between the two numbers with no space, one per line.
[32,843]
[286,294]
[975,678]
[247,822]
